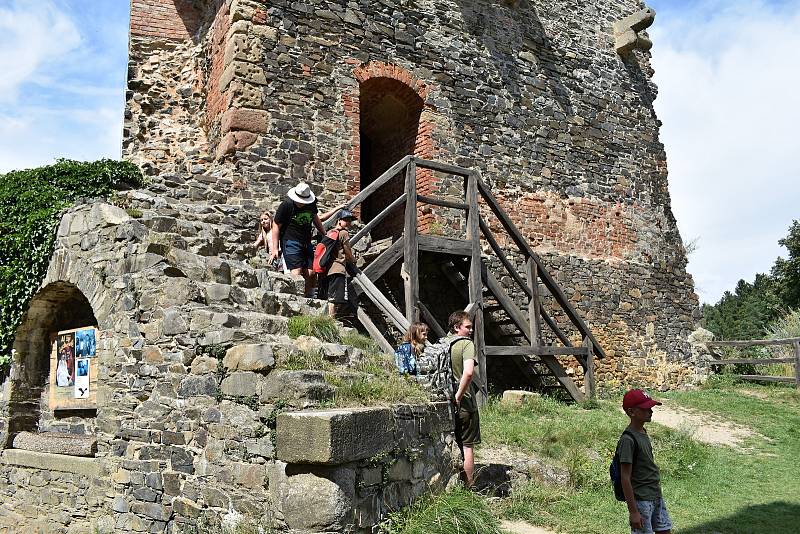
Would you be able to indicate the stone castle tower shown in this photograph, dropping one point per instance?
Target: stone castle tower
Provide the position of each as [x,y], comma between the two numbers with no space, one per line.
[551,101]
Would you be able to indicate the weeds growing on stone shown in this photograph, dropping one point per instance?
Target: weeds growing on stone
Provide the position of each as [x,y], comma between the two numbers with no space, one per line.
[321,327]
[457,511]
[305,359]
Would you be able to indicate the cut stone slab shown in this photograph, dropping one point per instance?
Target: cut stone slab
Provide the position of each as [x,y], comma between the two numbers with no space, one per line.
[518,397]
[333,437]
[89,467]
[254,357]
[56,443]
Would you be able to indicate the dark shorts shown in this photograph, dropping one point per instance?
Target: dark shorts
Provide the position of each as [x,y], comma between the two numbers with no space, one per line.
[468,428]
[297,255]
[337,289]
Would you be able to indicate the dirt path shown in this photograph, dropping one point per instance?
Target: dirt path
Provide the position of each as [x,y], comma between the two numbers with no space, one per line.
[521,527]
[702,426]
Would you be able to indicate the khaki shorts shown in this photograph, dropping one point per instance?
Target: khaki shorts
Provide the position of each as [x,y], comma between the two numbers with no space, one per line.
[468,428]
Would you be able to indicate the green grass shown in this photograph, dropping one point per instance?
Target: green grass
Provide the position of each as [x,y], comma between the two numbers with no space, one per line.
[322,327]
[457,511]
[707,488]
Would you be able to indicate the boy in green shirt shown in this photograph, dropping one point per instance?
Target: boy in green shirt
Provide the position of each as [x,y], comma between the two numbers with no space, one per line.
[641,481]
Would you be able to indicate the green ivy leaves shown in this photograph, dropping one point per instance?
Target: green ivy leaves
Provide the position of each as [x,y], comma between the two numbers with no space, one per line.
[31,202]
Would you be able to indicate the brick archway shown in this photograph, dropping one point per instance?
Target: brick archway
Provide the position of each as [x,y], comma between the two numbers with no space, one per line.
[388,101]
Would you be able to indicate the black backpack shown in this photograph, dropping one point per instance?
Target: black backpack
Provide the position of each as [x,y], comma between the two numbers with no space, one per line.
[326,251]
[615,471]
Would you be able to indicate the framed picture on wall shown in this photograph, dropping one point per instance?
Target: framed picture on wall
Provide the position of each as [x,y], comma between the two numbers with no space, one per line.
[73,370]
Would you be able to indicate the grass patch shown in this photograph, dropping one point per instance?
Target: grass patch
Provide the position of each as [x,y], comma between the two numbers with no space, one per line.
[321,327]
[359,341]
[371,390]
[707,488]
[306,359]
[457,511]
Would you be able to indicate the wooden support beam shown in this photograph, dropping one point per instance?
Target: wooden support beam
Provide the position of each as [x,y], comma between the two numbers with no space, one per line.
[760,378]
[378,182]
[444,245]
[528,350]
[797,363]
[533,304]
[442,167]
[548,281]
[589,381]
[752,361]
[562,337]
[375,295]
[373,331]
[475,285]
[430,320]
[441,202]
[411,249]
[501,255]
[377,219]
[752,342]
[455,277]
[385,261]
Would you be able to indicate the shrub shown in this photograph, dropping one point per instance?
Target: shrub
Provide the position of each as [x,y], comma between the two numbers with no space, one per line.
[31,202]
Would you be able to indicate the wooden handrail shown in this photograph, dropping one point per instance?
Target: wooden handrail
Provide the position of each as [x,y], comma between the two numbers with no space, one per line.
[442,203]
[378,218]
[752,342]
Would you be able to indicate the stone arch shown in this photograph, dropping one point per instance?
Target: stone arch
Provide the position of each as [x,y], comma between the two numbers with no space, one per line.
[389,115]
[70,297]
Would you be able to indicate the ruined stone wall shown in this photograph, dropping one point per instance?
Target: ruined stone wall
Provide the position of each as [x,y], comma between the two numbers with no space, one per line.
[533,94]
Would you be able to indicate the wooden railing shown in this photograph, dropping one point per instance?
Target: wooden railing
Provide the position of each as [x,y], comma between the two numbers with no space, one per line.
[530,323]
[795,359]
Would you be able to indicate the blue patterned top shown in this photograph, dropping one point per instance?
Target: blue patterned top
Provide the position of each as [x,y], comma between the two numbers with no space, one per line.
[405,359]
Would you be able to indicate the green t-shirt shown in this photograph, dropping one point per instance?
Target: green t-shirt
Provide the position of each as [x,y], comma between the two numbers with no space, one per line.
[645,477]
[460,351]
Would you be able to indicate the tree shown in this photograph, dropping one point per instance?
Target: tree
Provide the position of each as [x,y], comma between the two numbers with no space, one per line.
[745,313]
[786,272]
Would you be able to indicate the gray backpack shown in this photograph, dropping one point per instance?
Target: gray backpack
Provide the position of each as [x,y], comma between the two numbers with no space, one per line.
[434,370]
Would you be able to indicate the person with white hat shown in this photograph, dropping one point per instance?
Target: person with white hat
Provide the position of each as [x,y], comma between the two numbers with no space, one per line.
[293,223]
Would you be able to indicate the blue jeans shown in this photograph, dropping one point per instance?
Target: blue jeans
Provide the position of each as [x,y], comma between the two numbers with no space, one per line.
[655,517]
[297,255]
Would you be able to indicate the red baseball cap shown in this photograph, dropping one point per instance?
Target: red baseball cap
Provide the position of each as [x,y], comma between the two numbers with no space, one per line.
[636,398]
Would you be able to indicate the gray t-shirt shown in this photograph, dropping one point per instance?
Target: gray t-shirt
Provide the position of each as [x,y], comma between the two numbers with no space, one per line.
[645,478]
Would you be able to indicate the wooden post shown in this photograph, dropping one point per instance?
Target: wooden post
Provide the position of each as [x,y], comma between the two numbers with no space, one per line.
[532,271]
[797,363]
[589,378]
[475,283]
[411,249]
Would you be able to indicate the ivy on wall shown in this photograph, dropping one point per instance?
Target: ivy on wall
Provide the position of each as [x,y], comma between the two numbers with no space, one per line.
[31,202]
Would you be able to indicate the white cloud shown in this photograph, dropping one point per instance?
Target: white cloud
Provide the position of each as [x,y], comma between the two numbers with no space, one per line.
[728,75]
[33,36]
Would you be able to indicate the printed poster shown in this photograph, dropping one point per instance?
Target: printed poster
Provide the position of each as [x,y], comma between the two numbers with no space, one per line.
[82,378]
[85,344]
[65,368]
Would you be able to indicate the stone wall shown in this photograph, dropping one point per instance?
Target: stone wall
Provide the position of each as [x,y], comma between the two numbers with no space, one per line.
[192,382]
[534,95]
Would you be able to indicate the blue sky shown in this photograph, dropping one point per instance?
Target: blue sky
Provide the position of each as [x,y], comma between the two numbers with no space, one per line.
[728,74]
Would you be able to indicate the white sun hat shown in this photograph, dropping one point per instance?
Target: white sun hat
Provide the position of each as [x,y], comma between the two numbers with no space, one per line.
[302,194]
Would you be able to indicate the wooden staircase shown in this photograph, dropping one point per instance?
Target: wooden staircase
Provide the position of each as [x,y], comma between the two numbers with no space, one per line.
[528,337]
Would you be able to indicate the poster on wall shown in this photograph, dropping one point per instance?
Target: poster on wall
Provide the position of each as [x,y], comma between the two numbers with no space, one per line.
[73,369]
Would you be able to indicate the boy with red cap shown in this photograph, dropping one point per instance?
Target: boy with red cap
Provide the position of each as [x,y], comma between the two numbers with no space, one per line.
[641,481]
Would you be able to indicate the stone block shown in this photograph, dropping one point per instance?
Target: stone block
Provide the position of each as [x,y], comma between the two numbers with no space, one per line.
[173,323]
[102,215]
[56,443]
[89,467]
[152,510]
[255,357]
[296,385]
[193,386]
[185,507]
[333,437]
[315,503]
[241,384]
[204,365]
[518,397]
[251,120]
[244,71]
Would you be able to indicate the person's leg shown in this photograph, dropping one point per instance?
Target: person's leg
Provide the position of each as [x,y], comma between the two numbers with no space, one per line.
[646,511]
[662,524]
[469,466]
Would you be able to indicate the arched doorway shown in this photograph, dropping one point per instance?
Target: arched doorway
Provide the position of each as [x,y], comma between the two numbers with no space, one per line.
[58,306]
[389,112]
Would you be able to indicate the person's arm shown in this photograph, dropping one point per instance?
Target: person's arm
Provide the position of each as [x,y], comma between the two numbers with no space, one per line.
[260,239]
[634,517]
[276,230]
[348,251]
[466,379]
[331,212]
[318,224]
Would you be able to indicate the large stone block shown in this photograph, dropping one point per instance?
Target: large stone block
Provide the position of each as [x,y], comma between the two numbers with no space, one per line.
[56,443]
[251,120]
[255,357]
[334,437]
[315,503]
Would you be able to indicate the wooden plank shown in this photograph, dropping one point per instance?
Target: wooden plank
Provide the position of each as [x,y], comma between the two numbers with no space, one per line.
[411,249]
[751,361]
[475,285]
[378,218]
[797,363]
[441,202]
[373,331]
[442,167]
[385,261]
[533,303]
[759,378]
[530,350]
[545,276]
[455,277]
[590,384]
[516,314]
[430,320]
[487,233]
[752,342]
[375,295]
[444,245]
[378,182]
[554,327]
